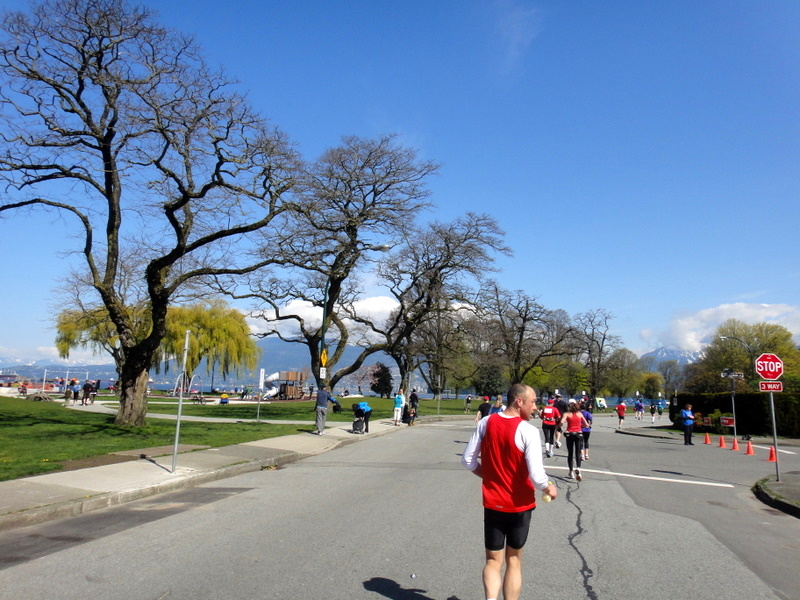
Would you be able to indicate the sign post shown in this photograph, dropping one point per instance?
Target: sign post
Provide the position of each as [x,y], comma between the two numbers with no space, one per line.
[770,367]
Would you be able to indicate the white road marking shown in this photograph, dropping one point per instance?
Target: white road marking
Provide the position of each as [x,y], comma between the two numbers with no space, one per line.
[651,478]
[779,450]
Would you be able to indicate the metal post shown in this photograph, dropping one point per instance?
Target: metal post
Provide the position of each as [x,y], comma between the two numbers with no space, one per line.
[44,380]
[774,438]
[733,402]
[180,403]
[323,349]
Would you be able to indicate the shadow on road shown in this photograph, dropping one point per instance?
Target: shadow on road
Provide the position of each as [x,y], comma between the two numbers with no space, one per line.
[392,589]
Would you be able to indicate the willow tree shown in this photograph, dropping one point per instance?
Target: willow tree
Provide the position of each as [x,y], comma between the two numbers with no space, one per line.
[218,334]
[119,125]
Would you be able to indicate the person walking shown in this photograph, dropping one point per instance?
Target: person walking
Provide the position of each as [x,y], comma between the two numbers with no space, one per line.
[505,452]
[550,417]
[399,403]
[586,432]
[413,400]
[620,409]
[323,397]
[687,418]
[574,422]
[468,404]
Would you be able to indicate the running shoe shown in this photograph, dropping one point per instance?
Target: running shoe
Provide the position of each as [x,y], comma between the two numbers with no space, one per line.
[578,475]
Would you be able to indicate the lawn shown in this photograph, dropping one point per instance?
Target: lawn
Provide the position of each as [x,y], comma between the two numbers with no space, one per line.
[36,437]
[382,408]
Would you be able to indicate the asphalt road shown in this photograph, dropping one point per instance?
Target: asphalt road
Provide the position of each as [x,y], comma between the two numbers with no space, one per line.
[397,517]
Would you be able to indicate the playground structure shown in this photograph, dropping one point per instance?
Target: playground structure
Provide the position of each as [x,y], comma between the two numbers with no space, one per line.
[284,385]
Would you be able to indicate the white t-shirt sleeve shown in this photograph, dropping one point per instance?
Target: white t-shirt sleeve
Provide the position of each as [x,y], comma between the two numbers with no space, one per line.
[473,450]
[529,440]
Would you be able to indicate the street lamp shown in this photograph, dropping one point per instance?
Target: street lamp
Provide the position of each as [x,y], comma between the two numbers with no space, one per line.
[323,347]
[749,351]
[733,375]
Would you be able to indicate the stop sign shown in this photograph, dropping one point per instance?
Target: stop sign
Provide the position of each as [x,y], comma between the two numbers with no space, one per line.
[769,366]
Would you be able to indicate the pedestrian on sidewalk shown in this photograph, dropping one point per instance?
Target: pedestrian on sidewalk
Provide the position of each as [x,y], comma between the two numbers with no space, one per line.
[505,452]
[653,412]
[468,404]
[399,404]
[323,397]
[687,417]
[367,414]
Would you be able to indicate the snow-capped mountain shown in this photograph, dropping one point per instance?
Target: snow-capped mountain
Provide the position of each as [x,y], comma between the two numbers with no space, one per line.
[683,357]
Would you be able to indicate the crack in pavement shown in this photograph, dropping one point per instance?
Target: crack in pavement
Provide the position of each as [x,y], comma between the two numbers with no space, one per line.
[586,571]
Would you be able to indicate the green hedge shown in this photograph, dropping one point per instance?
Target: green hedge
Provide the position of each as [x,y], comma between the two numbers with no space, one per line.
[752,412]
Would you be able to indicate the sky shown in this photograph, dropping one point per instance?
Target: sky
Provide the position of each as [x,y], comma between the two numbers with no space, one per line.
[642,157]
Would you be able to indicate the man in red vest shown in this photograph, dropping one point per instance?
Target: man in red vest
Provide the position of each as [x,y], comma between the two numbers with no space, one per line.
[510,466]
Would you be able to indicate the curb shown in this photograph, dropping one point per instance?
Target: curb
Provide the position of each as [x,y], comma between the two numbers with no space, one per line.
[73,508]
[79,506]
[645,434]
[768,496]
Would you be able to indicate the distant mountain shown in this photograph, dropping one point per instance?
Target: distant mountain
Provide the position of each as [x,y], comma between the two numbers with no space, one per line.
[683,357]
[276,355]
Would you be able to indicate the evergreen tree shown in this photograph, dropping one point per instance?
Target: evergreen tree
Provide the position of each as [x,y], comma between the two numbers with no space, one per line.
[381,380]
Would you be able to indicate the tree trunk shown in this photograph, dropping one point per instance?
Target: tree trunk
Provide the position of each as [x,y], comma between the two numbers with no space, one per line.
[133,396]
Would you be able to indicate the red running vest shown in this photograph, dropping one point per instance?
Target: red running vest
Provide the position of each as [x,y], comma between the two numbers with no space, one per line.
[507,485]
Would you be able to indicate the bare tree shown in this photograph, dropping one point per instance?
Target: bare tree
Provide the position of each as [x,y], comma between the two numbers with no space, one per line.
[524,332]
[355,196]
[118,123]
[674,376]
[595,344]
[433,278]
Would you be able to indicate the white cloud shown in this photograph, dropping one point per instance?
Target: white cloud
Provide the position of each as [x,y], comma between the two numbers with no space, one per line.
[376,307]
[517,26]
[691,331]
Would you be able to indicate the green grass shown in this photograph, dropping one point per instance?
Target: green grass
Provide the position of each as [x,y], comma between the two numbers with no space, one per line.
[382,408]
[35,437]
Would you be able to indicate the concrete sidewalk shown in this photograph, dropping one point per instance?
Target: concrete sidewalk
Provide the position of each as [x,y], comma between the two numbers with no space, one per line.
[60,494]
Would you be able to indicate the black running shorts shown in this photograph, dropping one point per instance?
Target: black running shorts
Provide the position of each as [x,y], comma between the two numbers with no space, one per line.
[501,528]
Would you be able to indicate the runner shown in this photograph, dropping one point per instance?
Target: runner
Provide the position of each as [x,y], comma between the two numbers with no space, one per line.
[620,408]
[550,417]
[510,466]
[574,421]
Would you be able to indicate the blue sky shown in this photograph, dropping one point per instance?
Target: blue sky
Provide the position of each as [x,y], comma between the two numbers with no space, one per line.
[642,157]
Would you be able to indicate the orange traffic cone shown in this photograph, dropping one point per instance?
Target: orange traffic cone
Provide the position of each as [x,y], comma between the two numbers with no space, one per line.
[735,445]
[749,450]
[708,439]
[722,442]
[772,457]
